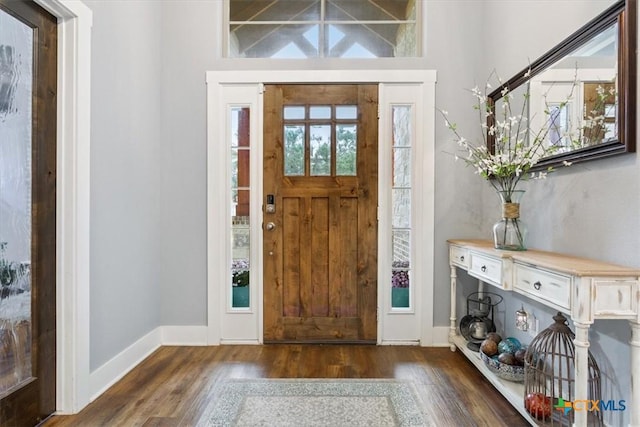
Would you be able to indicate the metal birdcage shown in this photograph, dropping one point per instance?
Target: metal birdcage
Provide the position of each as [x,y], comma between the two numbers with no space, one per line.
[549,382]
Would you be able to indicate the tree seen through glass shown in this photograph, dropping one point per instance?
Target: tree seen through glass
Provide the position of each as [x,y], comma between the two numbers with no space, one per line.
[321,137]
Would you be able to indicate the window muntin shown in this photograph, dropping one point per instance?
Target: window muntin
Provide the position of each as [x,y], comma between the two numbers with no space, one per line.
[322,28]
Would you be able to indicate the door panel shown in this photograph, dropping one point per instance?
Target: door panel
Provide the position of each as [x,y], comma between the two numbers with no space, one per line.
[28,66]
[320,163]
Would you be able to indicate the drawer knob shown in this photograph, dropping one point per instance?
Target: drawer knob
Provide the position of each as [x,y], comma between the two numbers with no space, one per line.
[462,258]
[537,285]
[483,268]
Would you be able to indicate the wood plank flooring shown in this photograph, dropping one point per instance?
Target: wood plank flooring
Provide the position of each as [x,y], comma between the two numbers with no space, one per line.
[172,386]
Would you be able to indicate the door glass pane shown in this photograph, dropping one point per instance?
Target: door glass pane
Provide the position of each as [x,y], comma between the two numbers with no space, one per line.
[16,76]
[320,112]
[346,149]
[402,167]
[401,208]
[234,168]
[240,267]
[294,112]
[320,147]
[401,116]
[346,112]
[240,206]
[400,271]
[293,150]
[240,168]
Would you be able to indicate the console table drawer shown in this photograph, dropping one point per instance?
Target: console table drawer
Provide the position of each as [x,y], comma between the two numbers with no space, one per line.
[459,256]
[543,285]
[486,268]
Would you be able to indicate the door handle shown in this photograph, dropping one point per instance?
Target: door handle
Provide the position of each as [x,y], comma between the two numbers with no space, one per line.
[270,226]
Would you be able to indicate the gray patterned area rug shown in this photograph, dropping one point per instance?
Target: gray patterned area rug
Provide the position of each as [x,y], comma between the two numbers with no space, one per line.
[314,402]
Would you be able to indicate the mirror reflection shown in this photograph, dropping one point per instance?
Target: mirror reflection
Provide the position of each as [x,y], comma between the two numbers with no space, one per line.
[579,91]
[577,96]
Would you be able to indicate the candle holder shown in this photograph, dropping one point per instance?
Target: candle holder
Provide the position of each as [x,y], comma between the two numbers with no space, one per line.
[522,319]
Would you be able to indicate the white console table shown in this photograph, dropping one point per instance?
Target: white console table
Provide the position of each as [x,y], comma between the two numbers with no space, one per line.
[583,289]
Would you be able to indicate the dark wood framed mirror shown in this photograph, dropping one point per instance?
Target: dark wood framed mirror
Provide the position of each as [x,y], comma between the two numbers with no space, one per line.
[595,70]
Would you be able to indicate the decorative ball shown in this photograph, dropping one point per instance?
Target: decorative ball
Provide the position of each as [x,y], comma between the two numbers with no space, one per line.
[507,358]
[489,347]
[509,345]
[519,354]
[538,405]
[494,336]
[515,341]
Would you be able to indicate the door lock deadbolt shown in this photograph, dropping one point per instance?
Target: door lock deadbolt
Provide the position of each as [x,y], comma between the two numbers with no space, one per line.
[270,206]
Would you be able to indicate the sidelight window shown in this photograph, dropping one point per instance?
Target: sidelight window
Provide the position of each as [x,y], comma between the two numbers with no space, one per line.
[240,207]
[401,206]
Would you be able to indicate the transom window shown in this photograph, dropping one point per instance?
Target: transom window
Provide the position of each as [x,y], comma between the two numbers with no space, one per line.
[323,28]
[320,140]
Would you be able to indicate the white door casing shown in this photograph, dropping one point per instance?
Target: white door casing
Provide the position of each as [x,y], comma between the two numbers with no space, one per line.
[72,202]
[414,88]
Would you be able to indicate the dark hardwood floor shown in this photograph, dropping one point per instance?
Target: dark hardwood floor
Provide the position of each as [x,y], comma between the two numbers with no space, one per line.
[173,385]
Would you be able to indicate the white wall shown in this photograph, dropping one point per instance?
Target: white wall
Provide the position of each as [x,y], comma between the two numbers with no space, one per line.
[188,46]
[125,175]
[454,49]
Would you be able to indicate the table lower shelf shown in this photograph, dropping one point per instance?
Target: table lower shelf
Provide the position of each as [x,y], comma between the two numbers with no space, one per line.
[512,391]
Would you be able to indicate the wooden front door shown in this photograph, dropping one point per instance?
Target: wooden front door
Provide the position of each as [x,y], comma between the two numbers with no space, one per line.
[320,213]
[28,79]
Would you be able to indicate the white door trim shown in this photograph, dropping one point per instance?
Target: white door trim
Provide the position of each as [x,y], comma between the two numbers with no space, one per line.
[72,203]
[217,217]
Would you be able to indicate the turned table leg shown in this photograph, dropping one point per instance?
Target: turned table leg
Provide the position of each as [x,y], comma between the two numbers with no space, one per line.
[581,342]
[635,374]
[452,319]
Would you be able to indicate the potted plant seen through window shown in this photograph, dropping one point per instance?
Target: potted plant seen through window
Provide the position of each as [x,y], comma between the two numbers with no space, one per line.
[400,284]
[240,283]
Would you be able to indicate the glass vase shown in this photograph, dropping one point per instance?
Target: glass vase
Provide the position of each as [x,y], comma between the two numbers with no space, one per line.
[510,232]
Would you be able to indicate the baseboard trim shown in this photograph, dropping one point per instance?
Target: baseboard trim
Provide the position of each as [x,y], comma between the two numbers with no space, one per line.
[184,335]
[399,342]
[120,365]
[116,368]
[440,336]
[240,342]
